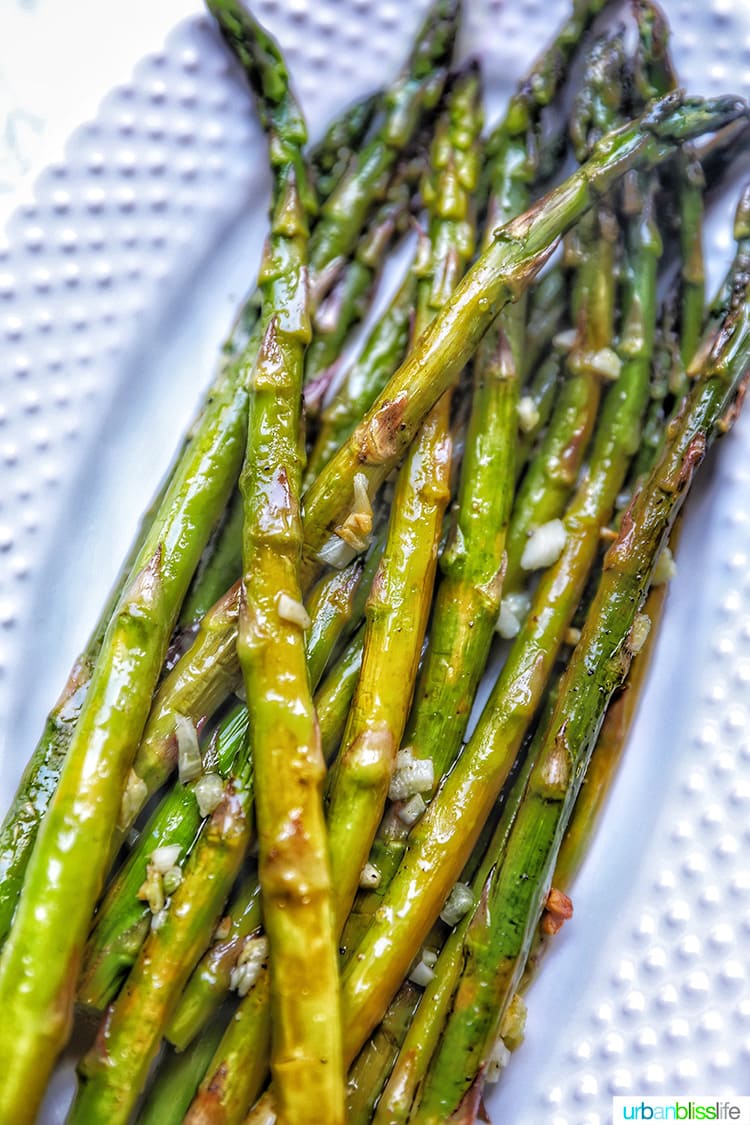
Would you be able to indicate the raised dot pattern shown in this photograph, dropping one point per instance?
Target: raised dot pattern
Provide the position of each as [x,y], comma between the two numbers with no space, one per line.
[646,990]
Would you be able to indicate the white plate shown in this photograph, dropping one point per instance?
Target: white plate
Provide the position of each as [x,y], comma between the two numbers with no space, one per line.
[117,284]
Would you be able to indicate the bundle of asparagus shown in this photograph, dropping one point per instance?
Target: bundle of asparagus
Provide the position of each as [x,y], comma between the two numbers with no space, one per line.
[326,585]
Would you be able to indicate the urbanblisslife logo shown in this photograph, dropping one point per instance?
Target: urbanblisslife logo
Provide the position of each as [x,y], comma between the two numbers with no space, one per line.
[675,1108]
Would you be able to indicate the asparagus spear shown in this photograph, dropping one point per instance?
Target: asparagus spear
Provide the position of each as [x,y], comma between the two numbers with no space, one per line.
[218,569]
[114,1071]
[348,300]
[123,920]
[601,660]
[21,824]
[194,690]
[504,269]
[442,841]
[547,305]
[417,91]
[231,1085]
[399,605]
[209,984]
[468,598]
[424,1032]
[293,863]
[41,958]
[364,381]
[552,474]
[369,1073]
[693,278]
[168,1099]
[211,980]
[330,158]
[404,581]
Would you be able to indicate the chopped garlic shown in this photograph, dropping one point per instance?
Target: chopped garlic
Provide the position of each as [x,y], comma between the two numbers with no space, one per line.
[165,857]
[423,971]
[209,791]
[639,632]
[172,879]
[224,929]
[158,919]
[411,775]
[133,799]
[513,610]
[564,341]
[356,528]
[497,1061]
[412,810]
[249,964]
[544,546]
[572,636]
[513,1025]
[528,414]
[369,877]
[606,363]
[665,568]
[458,902]
[336,553]
[152,890]
[189,762]
[292,610]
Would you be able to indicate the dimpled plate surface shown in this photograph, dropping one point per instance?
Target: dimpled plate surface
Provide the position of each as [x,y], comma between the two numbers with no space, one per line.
[116,284]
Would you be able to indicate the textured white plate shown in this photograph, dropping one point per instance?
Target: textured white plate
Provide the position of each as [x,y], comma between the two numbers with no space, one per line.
[116,285]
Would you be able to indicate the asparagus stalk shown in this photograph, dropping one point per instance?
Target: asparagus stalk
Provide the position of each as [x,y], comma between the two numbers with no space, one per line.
[236,1069]
[468,598]
[553,473]
[348,300]
[194,690]
[41,958]
[38,784]
[381,355]
[229,1088]
[417,91]
[536,407]
[369,1073]
[441,843]
[607,754]
[600,663]
[504,269]
[425,1029]
[547,305]
[123,920]
[219,568]
[330,158]
[293,863]
[693,291]
[114,1071]
[168,1099]
[399,604]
